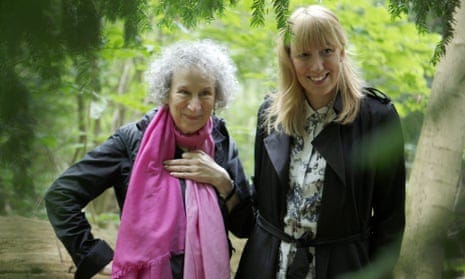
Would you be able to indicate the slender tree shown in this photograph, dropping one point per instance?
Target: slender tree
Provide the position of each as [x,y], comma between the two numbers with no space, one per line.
[437,165]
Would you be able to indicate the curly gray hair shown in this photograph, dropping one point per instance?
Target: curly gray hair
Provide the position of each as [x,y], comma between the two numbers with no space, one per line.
[207,55]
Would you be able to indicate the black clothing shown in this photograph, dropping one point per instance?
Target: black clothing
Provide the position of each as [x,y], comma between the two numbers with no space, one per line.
[363,192]
[109,165]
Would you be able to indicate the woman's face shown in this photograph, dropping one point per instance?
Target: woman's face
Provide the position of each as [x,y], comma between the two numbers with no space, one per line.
[191,99]
[318,71]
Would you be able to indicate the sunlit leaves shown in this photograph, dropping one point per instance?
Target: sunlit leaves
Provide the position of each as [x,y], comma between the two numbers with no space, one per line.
[423,10]
[391,53]
[46,49]
[258,13]
[189,12]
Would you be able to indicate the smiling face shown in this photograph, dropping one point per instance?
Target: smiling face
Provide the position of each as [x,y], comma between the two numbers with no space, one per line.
[191,99]
[317,53]
[318,70]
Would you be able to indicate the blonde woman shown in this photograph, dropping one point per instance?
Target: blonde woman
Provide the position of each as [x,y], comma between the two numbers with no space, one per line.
[329,167]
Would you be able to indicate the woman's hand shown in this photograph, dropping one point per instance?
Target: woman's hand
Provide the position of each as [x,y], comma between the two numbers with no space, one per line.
[200,167]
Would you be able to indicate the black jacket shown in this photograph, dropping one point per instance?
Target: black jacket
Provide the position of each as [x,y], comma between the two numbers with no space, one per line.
[363,192]
[109,165]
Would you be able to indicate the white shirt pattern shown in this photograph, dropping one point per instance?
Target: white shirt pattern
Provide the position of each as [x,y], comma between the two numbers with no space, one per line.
[306,175]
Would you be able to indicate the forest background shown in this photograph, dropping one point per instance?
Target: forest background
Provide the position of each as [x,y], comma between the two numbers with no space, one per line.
[69,99]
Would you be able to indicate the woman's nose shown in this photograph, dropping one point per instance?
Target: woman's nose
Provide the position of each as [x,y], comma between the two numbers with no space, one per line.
[316,63]
[194,103]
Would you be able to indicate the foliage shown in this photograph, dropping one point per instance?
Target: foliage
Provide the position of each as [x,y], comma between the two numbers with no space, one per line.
[190,12]
[422,9]
[391,53]
[85,89]
[45,33]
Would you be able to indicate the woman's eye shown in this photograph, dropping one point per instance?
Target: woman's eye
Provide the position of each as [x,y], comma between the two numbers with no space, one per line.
[304,56]
[328,51]
[183,92]
[206,94]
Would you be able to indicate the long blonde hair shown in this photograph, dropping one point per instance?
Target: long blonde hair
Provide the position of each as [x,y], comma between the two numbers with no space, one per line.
[310,26]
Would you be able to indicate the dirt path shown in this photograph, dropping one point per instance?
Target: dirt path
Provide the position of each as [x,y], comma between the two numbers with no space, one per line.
[30,249]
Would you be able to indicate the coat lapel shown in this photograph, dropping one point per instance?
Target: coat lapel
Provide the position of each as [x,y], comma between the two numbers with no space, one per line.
[219,138]
[277,147]
[329,145]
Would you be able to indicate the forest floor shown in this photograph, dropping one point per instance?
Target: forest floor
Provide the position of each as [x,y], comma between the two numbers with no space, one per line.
[30,249]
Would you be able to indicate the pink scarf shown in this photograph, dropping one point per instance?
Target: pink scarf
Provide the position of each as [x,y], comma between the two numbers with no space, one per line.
[153,223]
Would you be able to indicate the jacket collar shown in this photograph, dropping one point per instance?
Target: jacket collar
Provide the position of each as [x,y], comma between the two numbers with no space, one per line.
[218,136]
[277,146]
[219,133]
[328,143]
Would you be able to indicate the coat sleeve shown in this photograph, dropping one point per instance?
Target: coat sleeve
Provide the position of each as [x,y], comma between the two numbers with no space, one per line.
[388,219]
[72,191]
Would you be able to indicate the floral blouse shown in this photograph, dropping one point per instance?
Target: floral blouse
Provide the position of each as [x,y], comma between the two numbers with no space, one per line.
[306,174]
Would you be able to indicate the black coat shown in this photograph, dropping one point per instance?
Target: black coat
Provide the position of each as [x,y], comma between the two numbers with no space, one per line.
[109,165]
[363,192]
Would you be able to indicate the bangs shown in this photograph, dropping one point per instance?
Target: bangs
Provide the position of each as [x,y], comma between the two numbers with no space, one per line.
[317,31]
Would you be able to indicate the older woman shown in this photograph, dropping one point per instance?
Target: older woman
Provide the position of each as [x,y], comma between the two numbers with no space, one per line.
[329,166]
[176,171]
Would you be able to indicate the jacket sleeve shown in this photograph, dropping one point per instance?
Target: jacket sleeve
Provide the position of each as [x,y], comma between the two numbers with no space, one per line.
[388,218]
[72,191]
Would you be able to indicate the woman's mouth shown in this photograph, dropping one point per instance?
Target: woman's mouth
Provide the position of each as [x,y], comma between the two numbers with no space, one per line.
[193,117]
[318,79]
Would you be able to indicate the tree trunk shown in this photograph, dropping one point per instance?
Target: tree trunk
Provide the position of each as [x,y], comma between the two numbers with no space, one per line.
[82,137]
[106,202]
[123,86]
[437,165]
